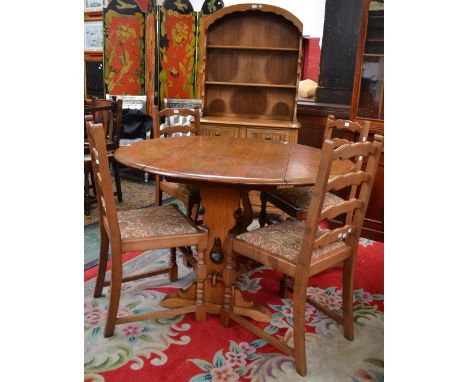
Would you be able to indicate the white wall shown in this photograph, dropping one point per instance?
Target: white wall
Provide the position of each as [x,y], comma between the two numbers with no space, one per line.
[310,12]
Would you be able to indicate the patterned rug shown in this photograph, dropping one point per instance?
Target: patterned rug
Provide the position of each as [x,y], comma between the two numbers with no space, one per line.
[135,195]
[180,349]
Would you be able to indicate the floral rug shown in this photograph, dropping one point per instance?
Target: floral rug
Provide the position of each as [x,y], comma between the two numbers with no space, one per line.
[135,195]
[179,349]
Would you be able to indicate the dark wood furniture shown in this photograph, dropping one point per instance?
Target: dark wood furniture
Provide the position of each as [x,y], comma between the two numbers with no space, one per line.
[187,193]
[301,249]
[338,51]
[139,230]
[88,173]
[368,101]
[368,91]
[224,168]
[109,113]
[251,65]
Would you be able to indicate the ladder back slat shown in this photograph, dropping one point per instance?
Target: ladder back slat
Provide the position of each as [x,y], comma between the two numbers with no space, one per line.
[340,208]
[350,179]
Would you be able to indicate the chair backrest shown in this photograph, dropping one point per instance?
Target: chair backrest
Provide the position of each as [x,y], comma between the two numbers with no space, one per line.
[193,128]
[109,113]
[103,182]
[361,133]
[354,206]
[333,125]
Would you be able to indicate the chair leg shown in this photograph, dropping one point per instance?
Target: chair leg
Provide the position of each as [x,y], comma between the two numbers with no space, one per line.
[229,277]
[173,269]
[103,254]
[87,201]
[197,212]
[115,290]
[118,186]
[299,303]
[263,213]
[200,313]
[348,283]
[158,195]
[190,208]
[284,284]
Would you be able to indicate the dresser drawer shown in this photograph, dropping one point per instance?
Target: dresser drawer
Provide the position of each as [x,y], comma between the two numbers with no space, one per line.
[216,131]
[281,135]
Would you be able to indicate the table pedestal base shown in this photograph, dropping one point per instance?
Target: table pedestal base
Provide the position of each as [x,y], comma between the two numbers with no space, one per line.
[220,206]
[241,306]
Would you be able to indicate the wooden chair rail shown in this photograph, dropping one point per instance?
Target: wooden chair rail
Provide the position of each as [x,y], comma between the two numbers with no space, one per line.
[341,208]
[333,236]
[351,179]
[158,314]
[275,341]
[141,275]
[354,150]
[177,129]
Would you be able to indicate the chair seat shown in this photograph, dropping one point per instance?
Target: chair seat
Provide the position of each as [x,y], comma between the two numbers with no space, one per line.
[153,222]
[300,197]
[187,189]
[284,239]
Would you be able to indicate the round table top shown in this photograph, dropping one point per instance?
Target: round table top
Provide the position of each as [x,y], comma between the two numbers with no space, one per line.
[234,161]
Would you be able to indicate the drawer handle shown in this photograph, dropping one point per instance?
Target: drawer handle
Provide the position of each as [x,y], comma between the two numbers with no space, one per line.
[268,138]
[217,134]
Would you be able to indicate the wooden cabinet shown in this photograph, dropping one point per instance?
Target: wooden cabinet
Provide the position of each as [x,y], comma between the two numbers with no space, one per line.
[280,135]
[213,130]
[368,102]
[368,90]
[250,70]
[251,65]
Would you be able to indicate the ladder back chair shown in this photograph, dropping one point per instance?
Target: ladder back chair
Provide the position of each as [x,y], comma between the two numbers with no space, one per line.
[295,201]
[189,194]
[139,230]
[302,249]
[109,113]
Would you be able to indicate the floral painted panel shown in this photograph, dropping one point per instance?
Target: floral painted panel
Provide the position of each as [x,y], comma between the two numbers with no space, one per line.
[176,50]
[124,48]
[150,52]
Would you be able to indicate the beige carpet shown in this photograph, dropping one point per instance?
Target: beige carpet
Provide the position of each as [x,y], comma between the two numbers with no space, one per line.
[135,195]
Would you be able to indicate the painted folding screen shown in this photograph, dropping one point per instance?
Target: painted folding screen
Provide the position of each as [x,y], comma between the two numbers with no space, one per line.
[124,48]
[208,7]
[177,25]
[150,52]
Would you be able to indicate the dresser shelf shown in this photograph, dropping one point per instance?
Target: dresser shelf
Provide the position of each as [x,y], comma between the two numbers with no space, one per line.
[239,47]
[250,84]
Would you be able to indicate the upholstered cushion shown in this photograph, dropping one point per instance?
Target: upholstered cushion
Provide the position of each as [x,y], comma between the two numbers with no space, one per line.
[187,189]
[300,197]
[284,239]
[153,221]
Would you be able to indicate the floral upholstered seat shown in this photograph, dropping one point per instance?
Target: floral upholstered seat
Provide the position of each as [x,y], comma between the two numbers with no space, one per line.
[188,189]
[284,239]
[300,197]
[153,221]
